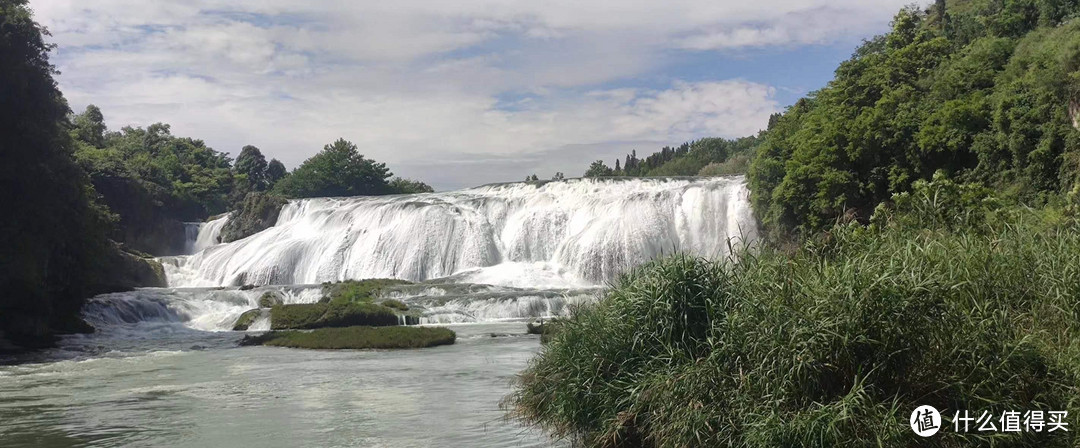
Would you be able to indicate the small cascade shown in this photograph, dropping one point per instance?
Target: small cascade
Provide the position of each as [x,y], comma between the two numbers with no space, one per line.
[191,236]
[209,233]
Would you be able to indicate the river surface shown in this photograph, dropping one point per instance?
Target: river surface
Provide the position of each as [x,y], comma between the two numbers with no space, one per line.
[191,388]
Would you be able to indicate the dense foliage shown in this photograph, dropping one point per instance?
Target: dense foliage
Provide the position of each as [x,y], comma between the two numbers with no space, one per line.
[688,159]
[54,250]
[833,344]
[986,93]
[52,233]
[338,170]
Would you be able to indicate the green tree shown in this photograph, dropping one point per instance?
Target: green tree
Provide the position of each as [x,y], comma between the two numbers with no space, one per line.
[251,163]
[338,170]
[558,176]
[275,171]
[90,127]
[401,185]
[598,169]
[52,234]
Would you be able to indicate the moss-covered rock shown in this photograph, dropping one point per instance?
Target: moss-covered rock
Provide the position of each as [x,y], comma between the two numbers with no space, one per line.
[319,315]
[395,304]
[357,291]
[358,337]
[248,318]
[270,299]
[258,211]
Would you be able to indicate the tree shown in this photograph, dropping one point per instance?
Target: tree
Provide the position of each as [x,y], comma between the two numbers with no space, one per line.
[251,162]
[90,127]
[337,170]
[531,178]
[275,171]
[408,186]
[598,169]
[558,176]
[52,236]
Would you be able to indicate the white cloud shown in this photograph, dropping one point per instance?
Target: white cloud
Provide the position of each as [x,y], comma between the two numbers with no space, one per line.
[417,81]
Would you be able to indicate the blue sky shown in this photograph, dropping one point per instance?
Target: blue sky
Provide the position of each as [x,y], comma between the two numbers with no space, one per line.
[453,93]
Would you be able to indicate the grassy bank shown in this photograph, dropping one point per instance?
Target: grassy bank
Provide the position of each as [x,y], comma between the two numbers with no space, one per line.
[356,338]
[832,345]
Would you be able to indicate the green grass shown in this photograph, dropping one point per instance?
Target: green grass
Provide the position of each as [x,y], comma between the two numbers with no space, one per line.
[833,344]
[356,338]
[335,314]
[357,291]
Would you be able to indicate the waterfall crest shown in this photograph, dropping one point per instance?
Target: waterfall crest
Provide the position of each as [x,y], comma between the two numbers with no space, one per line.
[574,233]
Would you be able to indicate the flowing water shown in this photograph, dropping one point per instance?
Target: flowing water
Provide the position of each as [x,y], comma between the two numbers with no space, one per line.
[164,369]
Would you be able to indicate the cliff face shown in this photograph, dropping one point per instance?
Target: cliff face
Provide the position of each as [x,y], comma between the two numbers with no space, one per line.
[257,212]
[144,222]
[36,319]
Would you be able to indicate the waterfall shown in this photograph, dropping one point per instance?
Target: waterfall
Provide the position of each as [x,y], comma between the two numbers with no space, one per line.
[207,233]
[573,233]
[493,253]
[191,235]
[207,309]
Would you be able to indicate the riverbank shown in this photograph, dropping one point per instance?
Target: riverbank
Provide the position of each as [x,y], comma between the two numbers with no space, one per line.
[830,344]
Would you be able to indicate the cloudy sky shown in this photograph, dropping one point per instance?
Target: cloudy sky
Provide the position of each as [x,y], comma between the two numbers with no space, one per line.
[455,93]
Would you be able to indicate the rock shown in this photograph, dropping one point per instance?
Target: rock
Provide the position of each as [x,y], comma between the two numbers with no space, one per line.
[270,298]
[248,318]
[258,211]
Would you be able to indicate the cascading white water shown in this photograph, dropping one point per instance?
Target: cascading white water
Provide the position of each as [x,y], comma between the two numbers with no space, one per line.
[209,233]
[208,309]
[572,233]
[497,252]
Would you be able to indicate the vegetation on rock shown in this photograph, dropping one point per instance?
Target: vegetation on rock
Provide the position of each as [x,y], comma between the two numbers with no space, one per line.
[257,212]
[357,291]
[335,314]
[395,304]
[356,338]
[270,298]
[244,322]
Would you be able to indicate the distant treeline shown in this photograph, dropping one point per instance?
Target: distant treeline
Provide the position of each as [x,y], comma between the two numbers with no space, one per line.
[704,157]
[151,180]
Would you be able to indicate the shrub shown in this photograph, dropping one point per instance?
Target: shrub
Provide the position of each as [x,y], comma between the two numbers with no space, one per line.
[356,338]
[317,315]
[832,345]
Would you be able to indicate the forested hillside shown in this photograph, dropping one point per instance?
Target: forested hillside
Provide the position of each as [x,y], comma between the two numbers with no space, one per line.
[53,246]
[985,91]
[704,157]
